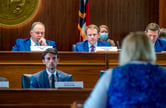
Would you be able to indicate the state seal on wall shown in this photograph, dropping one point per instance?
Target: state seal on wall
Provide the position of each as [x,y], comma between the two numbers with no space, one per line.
[17,12]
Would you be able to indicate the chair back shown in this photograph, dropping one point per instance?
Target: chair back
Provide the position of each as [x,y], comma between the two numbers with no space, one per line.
[74,47]
[101,73]
[3,79]
[26,80]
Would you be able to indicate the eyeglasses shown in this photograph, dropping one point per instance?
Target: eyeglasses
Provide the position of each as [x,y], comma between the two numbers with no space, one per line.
[42,33]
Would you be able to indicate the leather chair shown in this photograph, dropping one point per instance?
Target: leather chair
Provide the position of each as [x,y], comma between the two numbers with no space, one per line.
[3,79]
[101,73]
[26,80]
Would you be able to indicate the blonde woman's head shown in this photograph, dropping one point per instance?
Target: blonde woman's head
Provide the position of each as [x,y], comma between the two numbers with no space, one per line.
[137,47]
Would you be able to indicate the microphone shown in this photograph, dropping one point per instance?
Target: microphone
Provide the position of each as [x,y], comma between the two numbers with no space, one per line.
[118,46]
[57,77]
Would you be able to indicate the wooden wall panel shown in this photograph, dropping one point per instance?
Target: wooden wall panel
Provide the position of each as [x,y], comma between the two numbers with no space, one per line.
[162,15]
[124,16]
[61,19]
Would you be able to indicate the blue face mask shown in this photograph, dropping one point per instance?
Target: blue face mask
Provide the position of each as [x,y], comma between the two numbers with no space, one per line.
[103,36]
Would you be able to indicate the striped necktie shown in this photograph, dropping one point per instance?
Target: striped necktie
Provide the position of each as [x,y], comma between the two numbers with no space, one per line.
[92,48]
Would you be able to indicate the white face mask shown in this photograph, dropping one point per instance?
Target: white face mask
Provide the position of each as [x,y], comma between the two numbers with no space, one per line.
[104,36]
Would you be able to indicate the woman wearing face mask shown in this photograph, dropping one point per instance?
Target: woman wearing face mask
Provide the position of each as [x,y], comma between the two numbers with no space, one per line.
[104,34]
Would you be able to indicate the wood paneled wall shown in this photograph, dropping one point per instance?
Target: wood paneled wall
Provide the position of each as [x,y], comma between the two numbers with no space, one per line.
[162,15]
[124,16]
[61,18]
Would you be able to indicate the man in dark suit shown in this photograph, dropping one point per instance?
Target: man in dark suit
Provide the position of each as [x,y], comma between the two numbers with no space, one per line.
[37,38]
[47,77]
[153,31]
[89,45]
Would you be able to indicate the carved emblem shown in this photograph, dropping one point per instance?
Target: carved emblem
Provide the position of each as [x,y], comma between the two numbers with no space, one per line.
[16,12]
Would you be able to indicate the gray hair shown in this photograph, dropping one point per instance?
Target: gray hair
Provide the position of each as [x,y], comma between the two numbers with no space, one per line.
[137,47]
[36,23]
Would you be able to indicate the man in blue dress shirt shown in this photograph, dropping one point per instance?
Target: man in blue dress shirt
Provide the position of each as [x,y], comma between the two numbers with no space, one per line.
[37,38]
[89,45]
[152,31]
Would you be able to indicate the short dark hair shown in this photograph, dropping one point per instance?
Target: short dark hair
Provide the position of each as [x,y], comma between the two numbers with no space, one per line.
[50,50]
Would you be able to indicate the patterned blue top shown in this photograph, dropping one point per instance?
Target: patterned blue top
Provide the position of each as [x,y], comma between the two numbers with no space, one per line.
[137,86]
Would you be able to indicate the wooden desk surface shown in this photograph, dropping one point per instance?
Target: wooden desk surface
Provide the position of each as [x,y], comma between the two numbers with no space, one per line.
[161,59]
[42,97]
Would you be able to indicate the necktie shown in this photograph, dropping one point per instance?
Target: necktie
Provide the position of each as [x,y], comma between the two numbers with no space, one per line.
[53,81]
[92,48]
[37,44]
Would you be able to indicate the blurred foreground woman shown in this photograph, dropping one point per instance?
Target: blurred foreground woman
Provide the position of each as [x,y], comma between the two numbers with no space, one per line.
[137,83]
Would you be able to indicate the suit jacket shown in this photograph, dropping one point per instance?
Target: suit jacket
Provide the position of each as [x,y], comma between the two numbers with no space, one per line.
[24,44]
[40,79]
[83,46]
[160,45]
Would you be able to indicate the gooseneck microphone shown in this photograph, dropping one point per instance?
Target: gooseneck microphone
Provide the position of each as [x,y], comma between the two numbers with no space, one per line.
[118,46]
